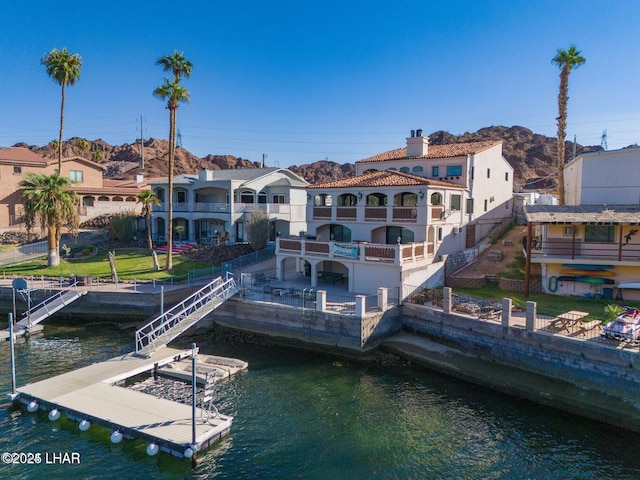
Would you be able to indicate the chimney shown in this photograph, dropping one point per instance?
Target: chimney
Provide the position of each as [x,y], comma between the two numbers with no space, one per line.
[139,178]
[417,146]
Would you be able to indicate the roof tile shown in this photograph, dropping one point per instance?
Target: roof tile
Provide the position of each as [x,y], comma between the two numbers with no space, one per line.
[435,151]
[384,178]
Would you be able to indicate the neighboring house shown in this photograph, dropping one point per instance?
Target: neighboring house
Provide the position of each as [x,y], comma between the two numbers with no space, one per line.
[97,195]
[392,223]
[214,202]
[591,245]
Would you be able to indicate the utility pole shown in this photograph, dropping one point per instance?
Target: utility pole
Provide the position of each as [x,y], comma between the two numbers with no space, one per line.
[603,140]
[141,143]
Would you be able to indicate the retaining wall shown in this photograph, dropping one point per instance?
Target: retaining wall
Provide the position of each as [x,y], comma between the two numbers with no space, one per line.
[608,378]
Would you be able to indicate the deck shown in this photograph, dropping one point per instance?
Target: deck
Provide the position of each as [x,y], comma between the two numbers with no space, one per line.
[92,393]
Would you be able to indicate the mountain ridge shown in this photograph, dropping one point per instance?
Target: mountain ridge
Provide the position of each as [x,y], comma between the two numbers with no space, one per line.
[531,155]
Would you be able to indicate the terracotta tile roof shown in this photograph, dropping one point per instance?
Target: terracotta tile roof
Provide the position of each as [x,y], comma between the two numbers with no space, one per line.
[22,156]
[435,151]
[384,178]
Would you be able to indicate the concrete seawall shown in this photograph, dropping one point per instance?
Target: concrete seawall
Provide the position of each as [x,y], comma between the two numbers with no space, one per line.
[586,378]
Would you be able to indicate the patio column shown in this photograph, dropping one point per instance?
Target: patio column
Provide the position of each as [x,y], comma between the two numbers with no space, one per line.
[360,305]
[314,274]
[383,298]
[446,293]
[531,316]
[321,300]
[506,312]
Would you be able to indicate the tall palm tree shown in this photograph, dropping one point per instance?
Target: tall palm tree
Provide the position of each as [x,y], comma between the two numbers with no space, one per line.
[63,68]
[148,199]
[176,64]
[565,60]
[174,94]
[48,201]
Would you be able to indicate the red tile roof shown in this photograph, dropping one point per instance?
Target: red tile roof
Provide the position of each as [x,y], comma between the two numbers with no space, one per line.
[435,151]
[22,155]
[384,178]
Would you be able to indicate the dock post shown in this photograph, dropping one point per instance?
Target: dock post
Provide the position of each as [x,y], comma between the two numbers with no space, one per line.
[193,400]
[12,396]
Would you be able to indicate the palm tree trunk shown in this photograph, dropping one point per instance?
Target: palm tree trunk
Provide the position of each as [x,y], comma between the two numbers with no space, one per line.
[53,259]
[148,221]
[563,98]
[61,130]
[172,136]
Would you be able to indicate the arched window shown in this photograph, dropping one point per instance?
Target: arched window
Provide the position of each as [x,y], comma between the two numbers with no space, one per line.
[262,197]
[417,169]
[347,200]
[436,199]
[404,169]
[322,200]
[405,199]
[376,200]
[339,233]
[246,196]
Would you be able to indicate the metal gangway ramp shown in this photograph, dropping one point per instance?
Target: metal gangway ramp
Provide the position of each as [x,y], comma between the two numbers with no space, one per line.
[160,331]
[40,312]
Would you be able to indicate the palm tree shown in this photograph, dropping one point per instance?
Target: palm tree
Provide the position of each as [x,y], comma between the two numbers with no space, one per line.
[83,144]
[148,199]
[48,200]
[565,60]
[63,68]
[174,93]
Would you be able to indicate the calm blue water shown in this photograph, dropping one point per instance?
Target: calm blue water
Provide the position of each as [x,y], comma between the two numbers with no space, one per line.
[301,415]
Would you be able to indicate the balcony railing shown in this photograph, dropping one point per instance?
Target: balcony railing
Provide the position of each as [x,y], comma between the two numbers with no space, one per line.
[577,249]
[362,252]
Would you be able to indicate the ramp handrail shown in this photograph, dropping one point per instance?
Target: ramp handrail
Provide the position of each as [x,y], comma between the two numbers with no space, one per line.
[218,288]
[45,303]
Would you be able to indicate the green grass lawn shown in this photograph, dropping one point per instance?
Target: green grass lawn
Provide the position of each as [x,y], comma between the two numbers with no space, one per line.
[131,263]
[546,304]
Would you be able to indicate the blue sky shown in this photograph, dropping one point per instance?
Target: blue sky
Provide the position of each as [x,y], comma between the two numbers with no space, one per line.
[303,81]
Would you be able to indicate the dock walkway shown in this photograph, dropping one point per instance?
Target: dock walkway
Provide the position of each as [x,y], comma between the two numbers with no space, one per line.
[92,393]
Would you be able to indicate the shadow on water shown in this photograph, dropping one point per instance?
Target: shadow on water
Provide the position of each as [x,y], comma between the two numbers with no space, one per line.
[300,414]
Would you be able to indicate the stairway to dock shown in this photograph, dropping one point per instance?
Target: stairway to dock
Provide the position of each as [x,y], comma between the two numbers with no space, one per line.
[161,330]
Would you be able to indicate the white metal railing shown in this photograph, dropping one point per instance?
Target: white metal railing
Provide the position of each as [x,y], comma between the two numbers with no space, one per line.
[192,307]
[51,305]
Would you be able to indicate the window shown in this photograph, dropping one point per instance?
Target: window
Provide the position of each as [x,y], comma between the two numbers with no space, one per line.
[181,197]
[246,196]
[455,202]
[17,170]
[454,170]
[486,203]
[435,171]
[439,234]
[568,231]
[160,194]
[488,173]
[278,198]
[262,197]
[417,170]
[404,169]
[473,171]
[75,175]
[599,233]
[506,176]
[436,199]
[469,205]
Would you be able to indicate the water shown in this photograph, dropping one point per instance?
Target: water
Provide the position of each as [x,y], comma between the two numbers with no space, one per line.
[300,415]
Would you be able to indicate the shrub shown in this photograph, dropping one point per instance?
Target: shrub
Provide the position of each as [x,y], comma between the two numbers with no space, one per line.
[123,226]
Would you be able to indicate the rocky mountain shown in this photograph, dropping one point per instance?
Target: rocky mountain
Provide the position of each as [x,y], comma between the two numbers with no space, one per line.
[531,155]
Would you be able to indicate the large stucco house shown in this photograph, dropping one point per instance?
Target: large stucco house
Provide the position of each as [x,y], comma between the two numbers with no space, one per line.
[217,203]
[393,223]
[97,195]
[591,245]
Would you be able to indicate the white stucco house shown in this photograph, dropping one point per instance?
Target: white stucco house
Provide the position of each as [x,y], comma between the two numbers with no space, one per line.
[591,245]
[392,224]
[216,203]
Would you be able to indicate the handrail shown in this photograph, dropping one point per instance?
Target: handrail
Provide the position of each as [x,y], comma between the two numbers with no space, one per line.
[162,324]
[45,303]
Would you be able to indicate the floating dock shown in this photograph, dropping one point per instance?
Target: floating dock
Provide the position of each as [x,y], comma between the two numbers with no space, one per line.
[217,368]
[92,395]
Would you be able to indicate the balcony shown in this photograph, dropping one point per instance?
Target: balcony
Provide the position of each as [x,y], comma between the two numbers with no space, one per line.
[560,249]
[360,252]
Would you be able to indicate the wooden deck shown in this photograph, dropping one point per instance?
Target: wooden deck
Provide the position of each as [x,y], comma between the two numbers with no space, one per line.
[92,393]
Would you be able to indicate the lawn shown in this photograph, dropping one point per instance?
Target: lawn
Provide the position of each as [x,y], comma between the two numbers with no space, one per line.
[131,263]
[546,304]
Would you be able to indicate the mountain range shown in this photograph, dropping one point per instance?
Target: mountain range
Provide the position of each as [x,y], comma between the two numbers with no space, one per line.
[531,155]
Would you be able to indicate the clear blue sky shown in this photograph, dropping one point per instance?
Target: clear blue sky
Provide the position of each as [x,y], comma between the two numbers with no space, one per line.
[302,81]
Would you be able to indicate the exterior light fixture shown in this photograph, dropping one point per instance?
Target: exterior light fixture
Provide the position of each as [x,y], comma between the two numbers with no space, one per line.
[421,194]
[359,195]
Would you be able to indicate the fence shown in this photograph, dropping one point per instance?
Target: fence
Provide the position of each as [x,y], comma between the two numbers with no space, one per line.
[24,252]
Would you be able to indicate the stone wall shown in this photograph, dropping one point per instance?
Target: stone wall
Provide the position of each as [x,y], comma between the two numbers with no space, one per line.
[607,378]
[310,326]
